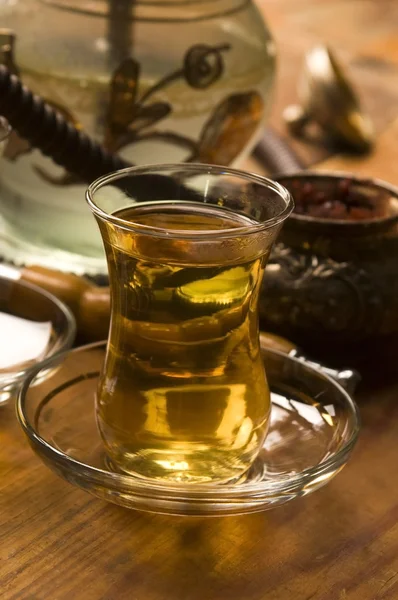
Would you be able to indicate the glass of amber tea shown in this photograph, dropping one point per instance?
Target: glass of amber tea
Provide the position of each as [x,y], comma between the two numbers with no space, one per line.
[183,396]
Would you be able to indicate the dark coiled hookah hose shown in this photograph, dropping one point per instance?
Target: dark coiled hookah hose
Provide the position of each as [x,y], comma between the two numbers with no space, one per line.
[47,130]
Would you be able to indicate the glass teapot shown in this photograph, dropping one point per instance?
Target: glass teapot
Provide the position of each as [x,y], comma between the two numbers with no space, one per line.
[154,80]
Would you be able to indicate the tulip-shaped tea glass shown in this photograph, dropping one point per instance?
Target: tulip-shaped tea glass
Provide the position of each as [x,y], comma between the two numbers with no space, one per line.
[183,396]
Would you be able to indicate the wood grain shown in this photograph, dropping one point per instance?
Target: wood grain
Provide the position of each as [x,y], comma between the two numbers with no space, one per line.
[58,543]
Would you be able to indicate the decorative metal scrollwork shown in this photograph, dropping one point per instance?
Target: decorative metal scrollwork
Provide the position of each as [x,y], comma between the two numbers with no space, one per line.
[310,293]
[132,118]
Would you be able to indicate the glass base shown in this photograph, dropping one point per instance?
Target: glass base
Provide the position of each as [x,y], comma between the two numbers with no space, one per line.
[167,471]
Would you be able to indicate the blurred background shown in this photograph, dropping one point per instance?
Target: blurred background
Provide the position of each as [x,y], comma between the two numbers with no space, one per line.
[364,36]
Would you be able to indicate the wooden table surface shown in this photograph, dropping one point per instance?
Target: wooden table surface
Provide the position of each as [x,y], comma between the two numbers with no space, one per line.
[58,543]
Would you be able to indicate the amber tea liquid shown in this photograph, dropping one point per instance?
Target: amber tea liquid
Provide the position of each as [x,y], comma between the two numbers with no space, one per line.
[183,394]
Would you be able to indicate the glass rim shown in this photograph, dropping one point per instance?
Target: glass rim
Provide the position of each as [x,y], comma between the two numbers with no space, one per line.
[199,168]
[63,339]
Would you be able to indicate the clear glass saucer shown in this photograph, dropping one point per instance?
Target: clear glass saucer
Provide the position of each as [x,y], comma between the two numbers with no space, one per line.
[313,430]
[27,301]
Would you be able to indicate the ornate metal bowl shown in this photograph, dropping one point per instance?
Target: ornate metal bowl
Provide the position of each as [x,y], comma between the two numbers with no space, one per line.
[332,281]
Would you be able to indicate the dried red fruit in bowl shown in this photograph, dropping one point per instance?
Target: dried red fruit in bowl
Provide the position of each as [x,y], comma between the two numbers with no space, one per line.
[337,199]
